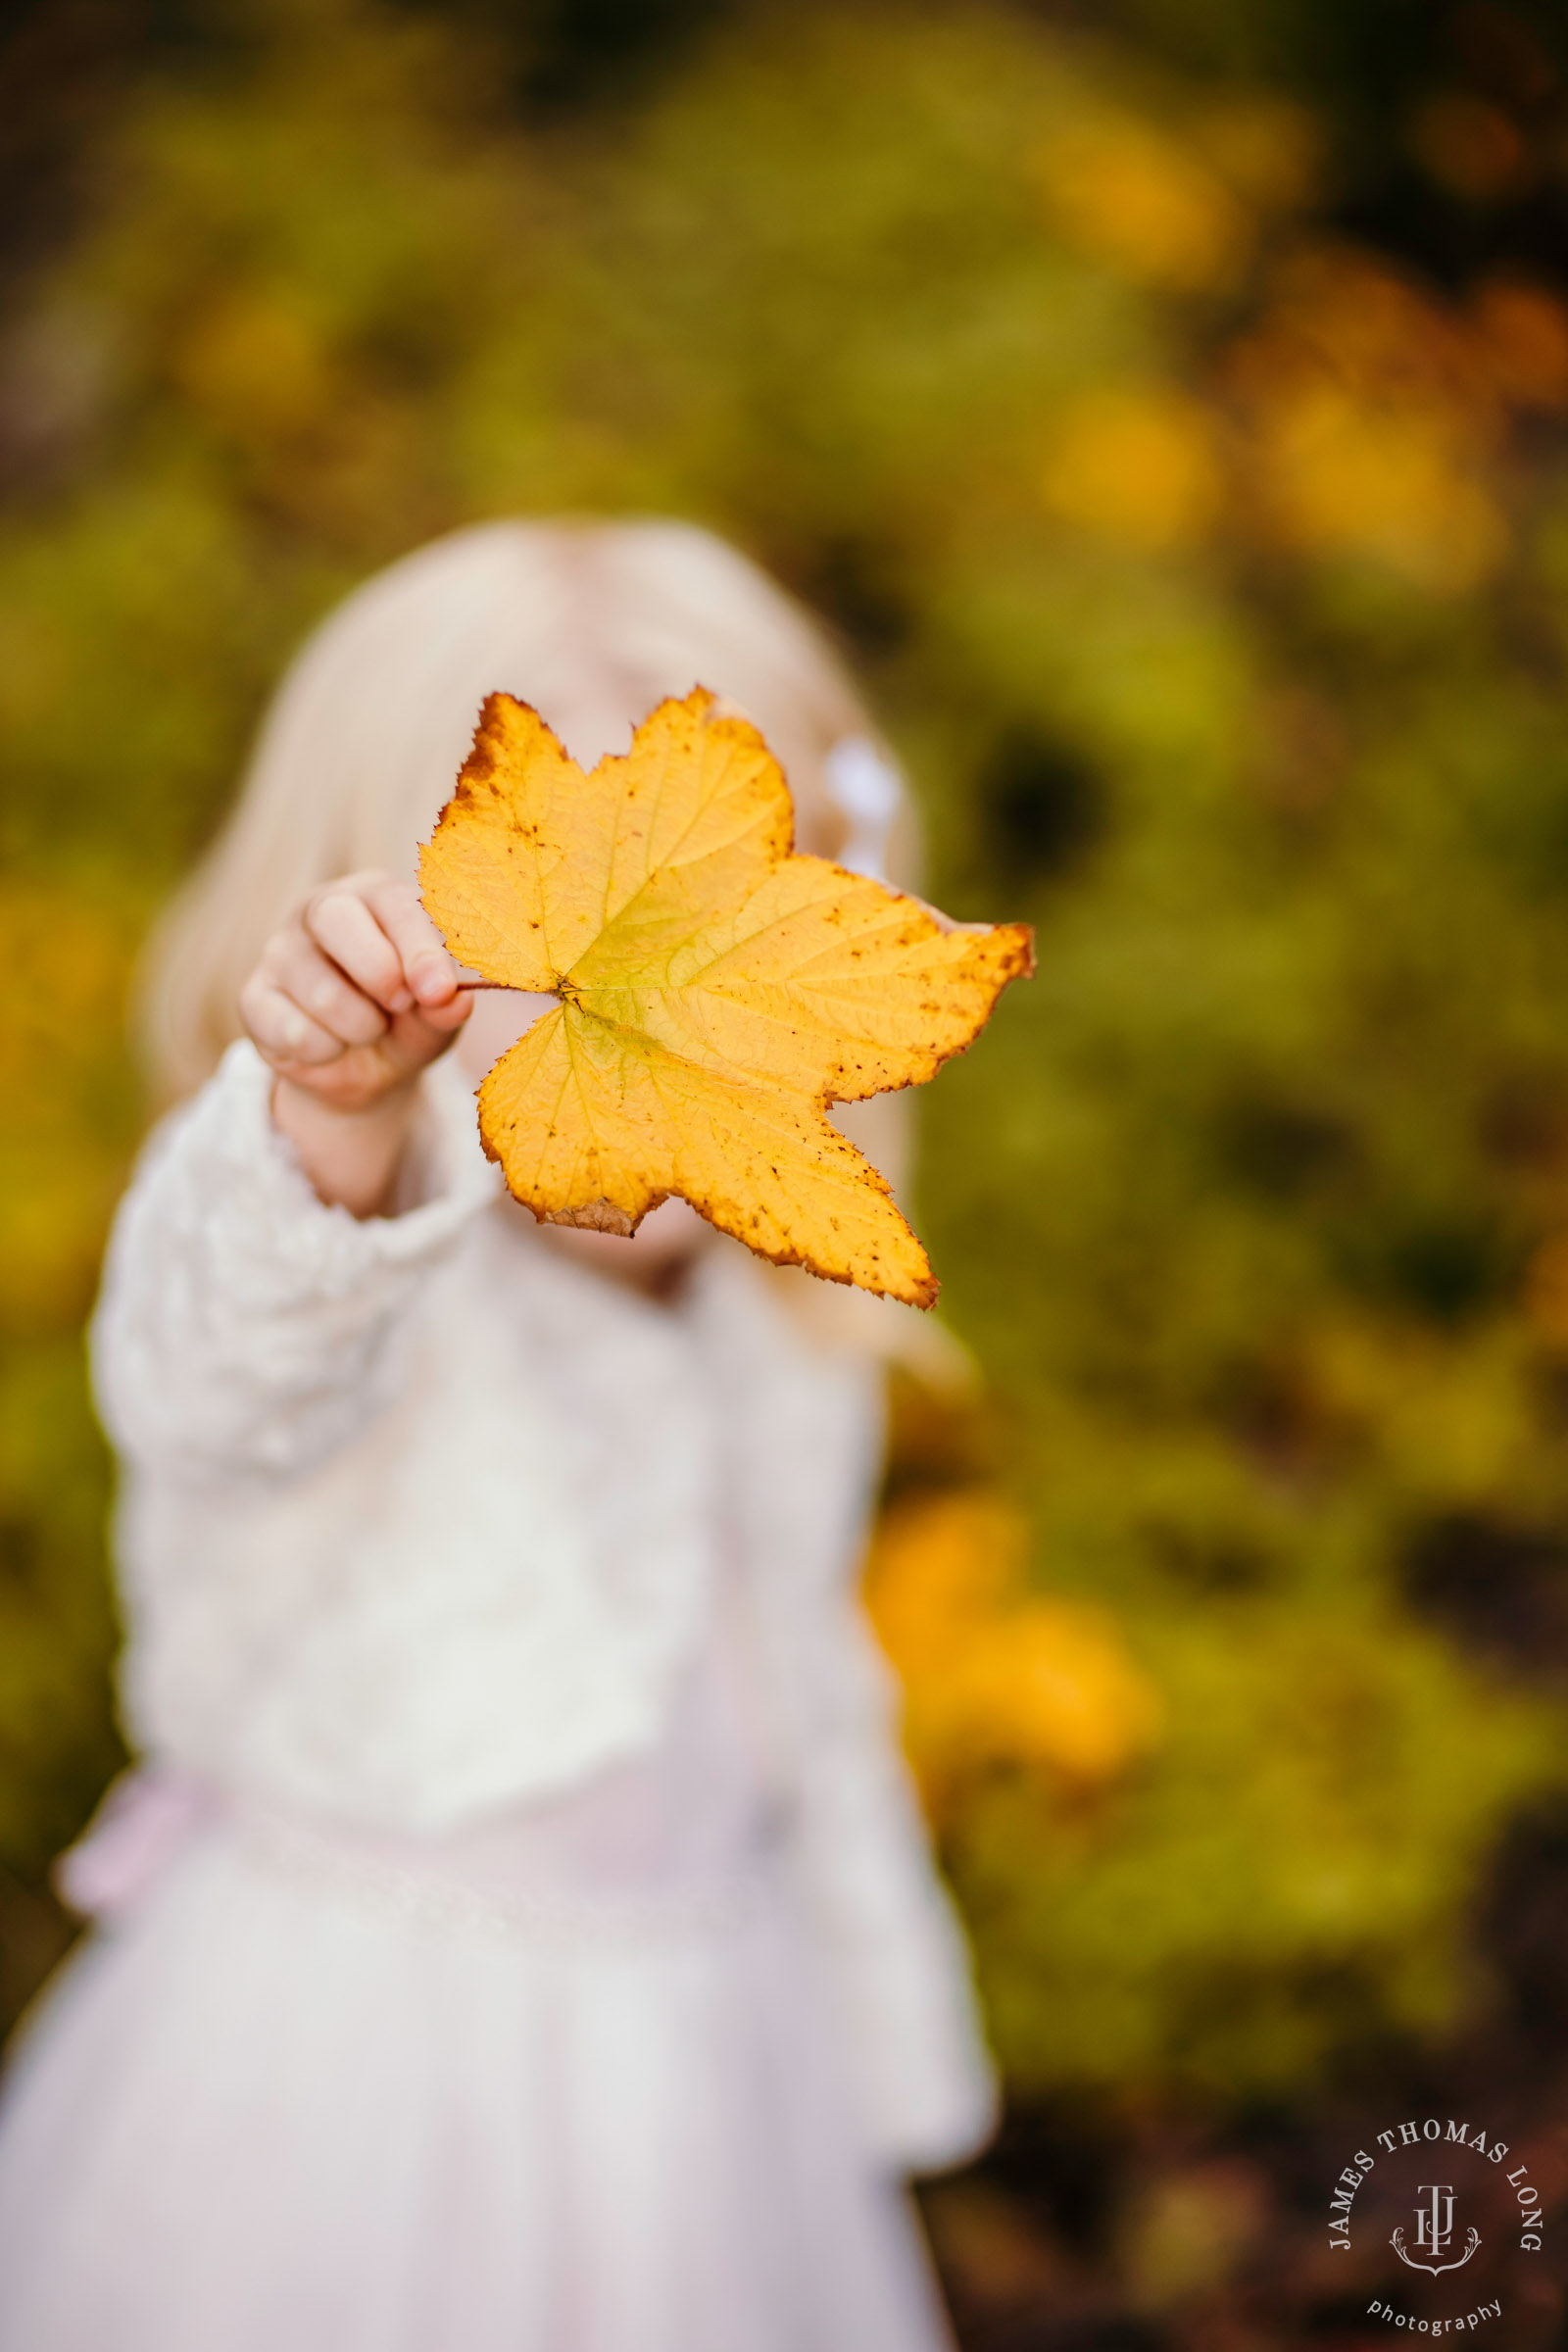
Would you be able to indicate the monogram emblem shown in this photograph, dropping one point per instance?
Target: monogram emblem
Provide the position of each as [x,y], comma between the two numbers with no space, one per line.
[1434,2233]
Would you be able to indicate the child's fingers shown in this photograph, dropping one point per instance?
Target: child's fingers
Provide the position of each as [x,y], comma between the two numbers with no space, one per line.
[342,925]
[293,965]
[443,1019]
[279,1030]
[429,970]
[361,978]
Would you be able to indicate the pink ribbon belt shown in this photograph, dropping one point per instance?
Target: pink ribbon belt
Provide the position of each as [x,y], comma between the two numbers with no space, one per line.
[146,1819]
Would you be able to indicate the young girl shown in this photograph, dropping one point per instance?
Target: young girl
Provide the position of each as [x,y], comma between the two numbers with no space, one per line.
[519,1936]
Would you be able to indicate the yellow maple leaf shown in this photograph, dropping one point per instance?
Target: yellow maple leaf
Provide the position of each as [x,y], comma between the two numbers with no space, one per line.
[716,992]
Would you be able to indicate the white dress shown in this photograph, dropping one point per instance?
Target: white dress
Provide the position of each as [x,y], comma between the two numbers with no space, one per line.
[522,1937]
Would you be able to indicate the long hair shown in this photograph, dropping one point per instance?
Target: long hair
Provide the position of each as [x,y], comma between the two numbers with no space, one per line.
[364,740]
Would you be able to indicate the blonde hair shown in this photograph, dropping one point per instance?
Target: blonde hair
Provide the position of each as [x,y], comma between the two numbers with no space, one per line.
[364,740]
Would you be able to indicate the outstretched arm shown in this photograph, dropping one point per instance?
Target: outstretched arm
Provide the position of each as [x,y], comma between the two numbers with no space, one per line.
[253,1294]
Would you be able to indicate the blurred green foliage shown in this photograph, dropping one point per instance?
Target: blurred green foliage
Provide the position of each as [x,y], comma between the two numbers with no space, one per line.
[1210,574]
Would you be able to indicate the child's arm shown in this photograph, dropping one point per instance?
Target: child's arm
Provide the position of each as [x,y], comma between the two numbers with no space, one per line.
[253,1300]
[349,1004]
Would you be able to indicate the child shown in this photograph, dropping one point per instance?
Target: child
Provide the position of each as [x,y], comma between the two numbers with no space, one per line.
[519,1936]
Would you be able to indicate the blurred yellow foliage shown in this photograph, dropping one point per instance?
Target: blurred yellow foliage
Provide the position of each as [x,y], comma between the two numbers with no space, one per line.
[1522,332]
[1373,425]
[1371,416]
[62,1159]
[1266,149]
[66,962]
[1338,477]
[1137,197]
[1141,468]
[34,667]
[1332,311]
[990,1676]
[53,1217]
[1545,1297]
[252,364]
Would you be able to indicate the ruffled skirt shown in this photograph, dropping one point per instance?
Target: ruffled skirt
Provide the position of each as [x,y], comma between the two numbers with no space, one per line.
[283,2107]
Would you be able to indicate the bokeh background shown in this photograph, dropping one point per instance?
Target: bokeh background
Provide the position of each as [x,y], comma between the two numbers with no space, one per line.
[1167,402]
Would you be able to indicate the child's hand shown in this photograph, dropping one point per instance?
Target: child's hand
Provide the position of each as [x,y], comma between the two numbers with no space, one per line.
[357,994]
[348,1003]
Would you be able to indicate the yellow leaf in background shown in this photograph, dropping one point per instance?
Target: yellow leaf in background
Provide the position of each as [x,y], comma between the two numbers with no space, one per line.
[1139,467]
[991,1675]
[1370,415]
[1049,1682]
[716,992]
[1145,204]
[1337,475]
[936,1565]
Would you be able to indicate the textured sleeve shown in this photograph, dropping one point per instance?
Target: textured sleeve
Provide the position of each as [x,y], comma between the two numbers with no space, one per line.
[244,1327]
[898,1963]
